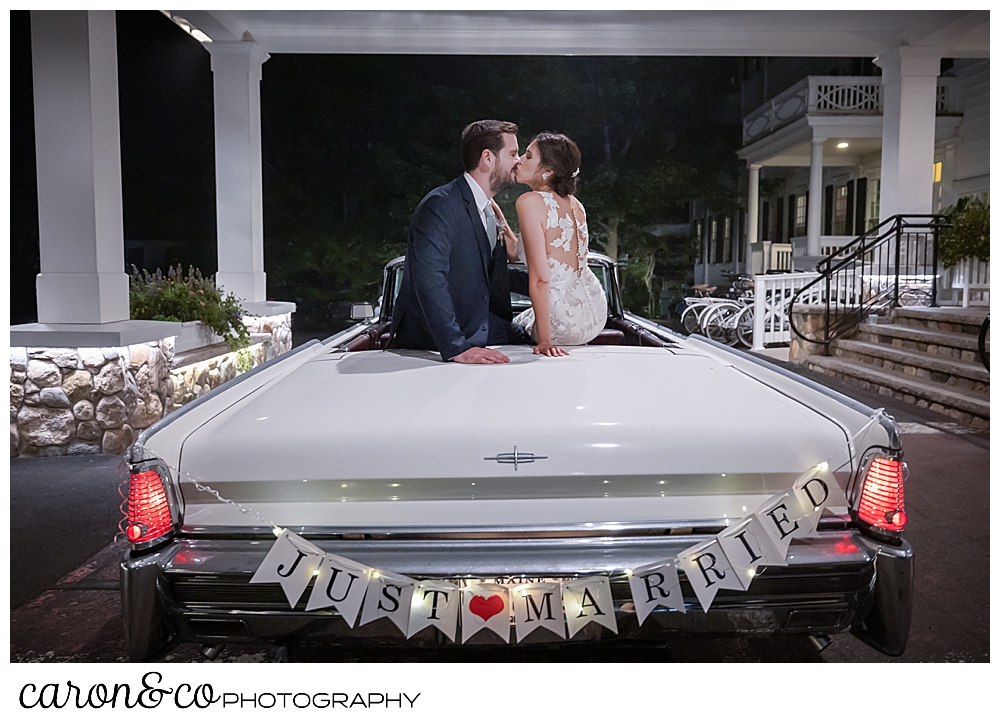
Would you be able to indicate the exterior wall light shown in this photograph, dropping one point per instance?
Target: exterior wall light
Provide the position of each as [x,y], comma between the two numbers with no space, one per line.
[188,27]
[843,144]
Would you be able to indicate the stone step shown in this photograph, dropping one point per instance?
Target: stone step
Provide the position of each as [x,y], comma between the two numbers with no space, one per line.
[945,319]
[968,407]
[960,347]
[951,372]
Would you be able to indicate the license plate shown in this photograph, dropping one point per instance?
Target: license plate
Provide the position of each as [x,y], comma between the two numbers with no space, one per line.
[508,581]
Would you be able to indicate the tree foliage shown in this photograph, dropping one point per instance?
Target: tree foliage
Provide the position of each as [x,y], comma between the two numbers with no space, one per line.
[352,143]
[969,235]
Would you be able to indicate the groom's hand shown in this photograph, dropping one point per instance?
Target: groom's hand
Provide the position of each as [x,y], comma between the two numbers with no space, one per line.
[479,355]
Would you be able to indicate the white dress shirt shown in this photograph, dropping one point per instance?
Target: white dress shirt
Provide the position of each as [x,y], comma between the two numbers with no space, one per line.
[481,200]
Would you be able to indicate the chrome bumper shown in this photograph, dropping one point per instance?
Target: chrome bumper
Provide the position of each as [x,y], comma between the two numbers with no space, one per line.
[198,590]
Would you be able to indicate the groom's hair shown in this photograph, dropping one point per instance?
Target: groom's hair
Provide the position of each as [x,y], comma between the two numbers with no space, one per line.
[484,135]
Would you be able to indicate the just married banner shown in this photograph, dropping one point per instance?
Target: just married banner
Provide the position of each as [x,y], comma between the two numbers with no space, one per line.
[728,561]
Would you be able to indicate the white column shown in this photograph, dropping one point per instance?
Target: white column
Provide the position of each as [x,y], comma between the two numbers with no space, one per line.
[706,239]
[909,99]
[753,206]
[814,212]
[236,68]
[77,149]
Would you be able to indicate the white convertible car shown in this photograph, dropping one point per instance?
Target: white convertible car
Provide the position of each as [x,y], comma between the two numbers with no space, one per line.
[628,451]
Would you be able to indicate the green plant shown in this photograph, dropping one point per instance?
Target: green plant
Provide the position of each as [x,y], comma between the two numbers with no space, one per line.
[176,297]
[244,360]
[969,235]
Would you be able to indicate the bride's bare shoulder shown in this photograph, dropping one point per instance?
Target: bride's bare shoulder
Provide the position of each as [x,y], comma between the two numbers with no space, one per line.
[529,202]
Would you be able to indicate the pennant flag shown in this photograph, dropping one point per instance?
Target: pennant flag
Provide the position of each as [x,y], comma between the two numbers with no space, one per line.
[784,520]
[748,547]
[656,585]
[708,570]
[292,562]
[388,596]
[815,491]
[341,583]
[537,605]
[589,600]
[435,603]
[485,606]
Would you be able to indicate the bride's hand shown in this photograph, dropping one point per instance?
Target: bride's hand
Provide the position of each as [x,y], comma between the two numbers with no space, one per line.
[546,348]
[499,214]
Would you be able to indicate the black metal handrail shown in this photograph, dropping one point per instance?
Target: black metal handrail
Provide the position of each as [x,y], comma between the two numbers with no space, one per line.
[892,264]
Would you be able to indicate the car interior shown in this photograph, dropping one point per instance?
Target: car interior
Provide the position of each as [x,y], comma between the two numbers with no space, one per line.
[617,331]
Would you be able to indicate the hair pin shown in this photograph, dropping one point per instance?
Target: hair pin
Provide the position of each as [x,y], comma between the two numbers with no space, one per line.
[575,173]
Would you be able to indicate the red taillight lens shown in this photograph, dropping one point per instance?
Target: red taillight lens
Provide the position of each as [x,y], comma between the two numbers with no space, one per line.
[148,509]
[881,502]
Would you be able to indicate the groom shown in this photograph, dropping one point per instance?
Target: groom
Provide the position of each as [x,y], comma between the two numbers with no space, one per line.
[455,294]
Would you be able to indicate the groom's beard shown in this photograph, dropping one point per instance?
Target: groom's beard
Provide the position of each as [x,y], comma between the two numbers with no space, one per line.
[499,182]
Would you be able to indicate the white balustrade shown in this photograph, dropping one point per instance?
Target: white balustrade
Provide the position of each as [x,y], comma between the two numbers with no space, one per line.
[970,280]
[772,296]
[830,95]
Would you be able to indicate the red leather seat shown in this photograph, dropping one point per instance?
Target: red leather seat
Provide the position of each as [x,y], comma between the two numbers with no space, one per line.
[608,337]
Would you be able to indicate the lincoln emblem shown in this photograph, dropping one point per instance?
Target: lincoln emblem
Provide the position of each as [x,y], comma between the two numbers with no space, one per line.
[515,458]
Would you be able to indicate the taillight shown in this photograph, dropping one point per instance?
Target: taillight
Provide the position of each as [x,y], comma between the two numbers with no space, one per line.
[881,504]
[148,514]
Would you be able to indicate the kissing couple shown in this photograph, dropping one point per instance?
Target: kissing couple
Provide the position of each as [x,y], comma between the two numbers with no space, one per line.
[454,297]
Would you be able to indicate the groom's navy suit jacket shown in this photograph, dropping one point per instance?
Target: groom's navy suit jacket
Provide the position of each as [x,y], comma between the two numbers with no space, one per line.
[455,292]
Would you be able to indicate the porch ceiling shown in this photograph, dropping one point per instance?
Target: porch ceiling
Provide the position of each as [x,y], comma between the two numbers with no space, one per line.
[670,32]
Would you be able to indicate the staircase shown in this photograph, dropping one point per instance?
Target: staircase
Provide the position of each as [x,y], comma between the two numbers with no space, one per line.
[923,356]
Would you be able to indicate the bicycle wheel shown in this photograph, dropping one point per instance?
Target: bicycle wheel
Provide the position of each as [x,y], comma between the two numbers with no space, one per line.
[744,327]
[690,318]
[719,324]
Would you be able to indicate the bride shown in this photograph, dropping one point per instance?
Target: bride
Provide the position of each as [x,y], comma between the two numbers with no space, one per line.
[568,302]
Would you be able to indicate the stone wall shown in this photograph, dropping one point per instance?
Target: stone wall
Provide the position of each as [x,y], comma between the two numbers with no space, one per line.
[90,400]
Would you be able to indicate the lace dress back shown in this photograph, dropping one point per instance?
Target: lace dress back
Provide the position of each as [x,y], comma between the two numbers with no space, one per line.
[578,307]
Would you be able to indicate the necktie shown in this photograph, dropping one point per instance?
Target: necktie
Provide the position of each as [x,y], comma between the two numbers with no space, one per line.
[491,225]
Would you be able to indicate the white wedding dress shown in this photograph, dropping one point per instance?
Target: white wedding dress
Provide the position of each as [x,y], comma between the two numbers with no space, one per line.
[578,306]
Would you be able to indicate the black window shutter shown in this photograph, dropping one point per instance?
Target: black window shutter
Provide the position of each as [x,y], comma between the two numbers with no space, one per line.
[860,199]
[791,216]
[779,216]
[765,222]
[849,220]
[828,211]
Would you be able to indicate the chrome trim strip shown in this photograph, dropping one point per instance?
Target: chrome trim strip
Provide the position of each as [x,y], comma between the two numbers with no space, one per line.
[248,531]
[477,558]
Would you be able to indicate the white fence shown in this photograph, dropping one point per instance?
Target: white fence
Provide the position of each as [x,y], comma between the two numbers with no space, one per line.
[772,296]
[966,284]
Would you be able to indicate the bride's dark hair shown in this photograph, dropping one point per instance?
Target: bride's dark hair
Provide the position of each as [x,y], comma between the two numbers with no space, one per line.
[562,157]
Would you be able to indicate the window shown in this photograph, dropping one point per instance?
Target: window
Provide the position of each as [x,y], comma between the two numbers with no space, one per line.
[800,215]
[727,240]
[713,234]
[873,209]
[937,172]
[840,211]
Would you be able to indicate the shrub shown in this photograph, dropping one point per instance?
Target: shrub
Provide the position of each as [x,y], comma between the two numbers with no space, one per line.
[176,297]
[969,235]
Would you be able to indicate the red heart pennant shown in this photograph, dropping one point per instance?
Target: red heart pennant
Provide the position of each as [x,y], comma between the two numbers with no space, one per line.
[486,607]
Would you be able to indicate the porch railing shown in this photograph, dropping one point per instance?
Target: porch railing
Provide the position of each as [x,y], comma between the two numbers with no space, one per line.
[894,264]
[831,95]
[966,284]
[772,295]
